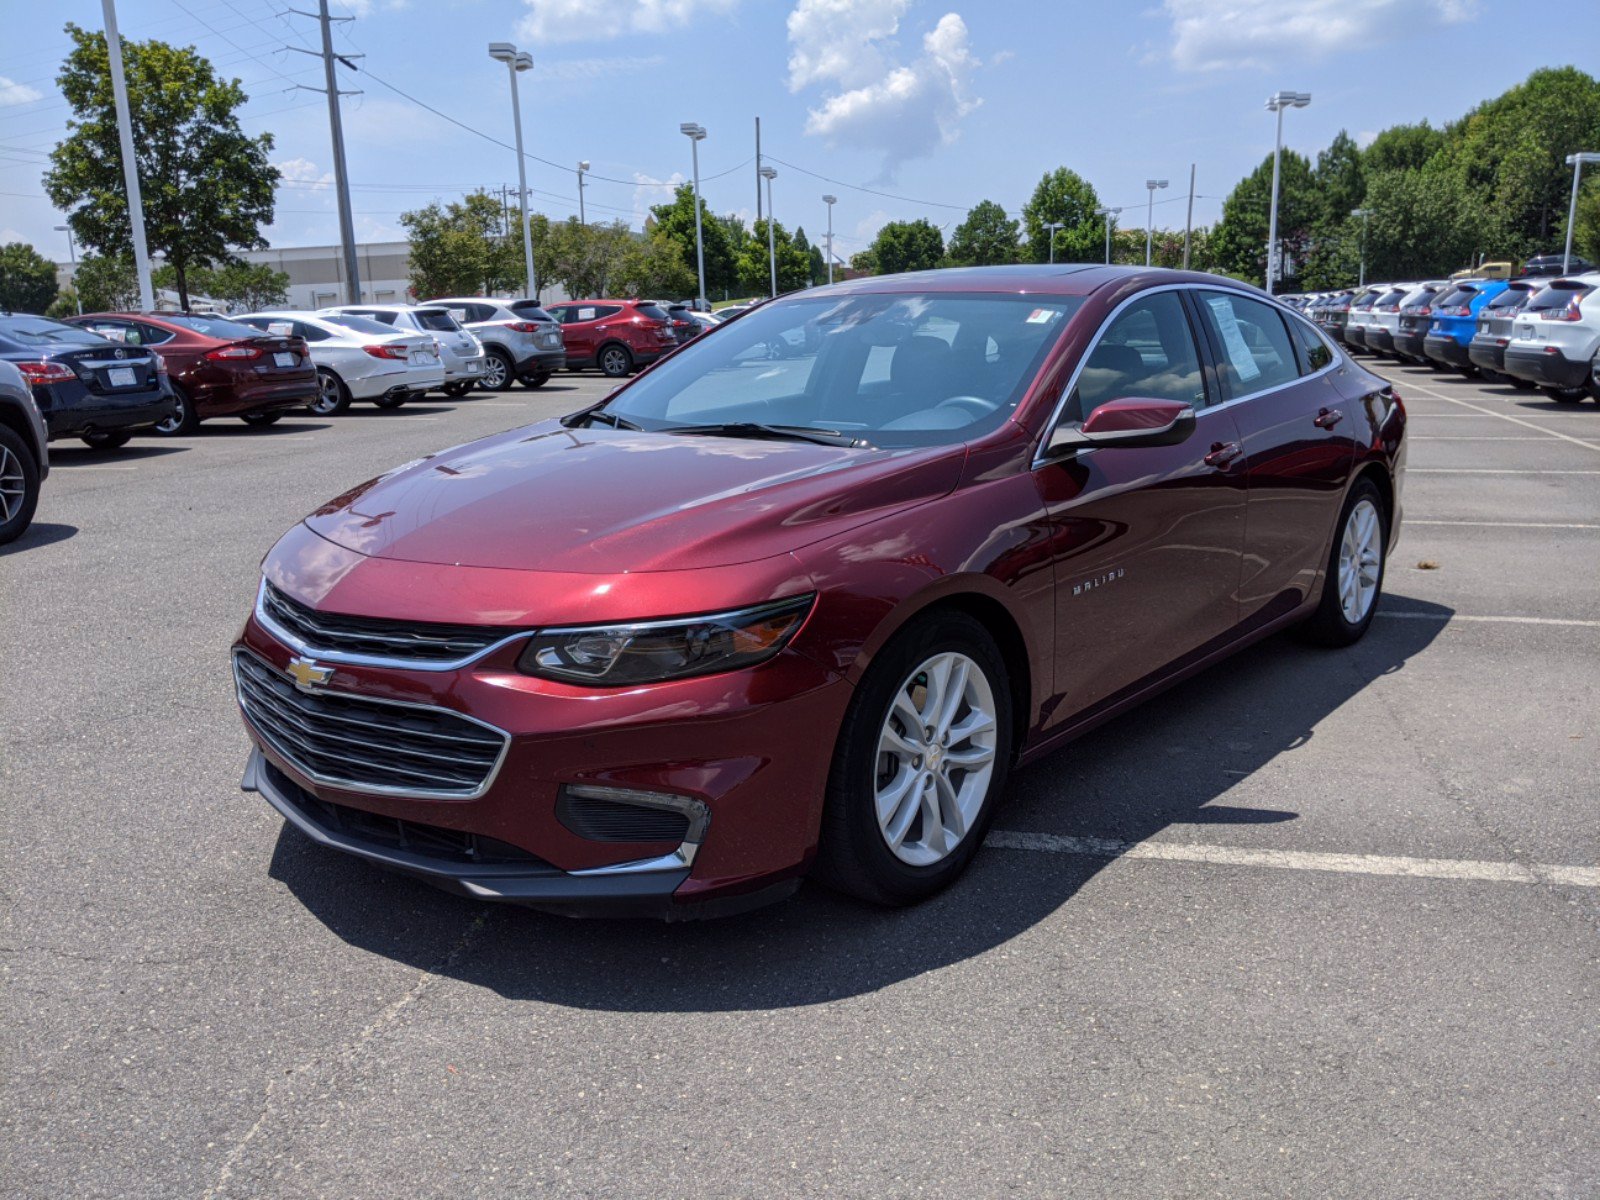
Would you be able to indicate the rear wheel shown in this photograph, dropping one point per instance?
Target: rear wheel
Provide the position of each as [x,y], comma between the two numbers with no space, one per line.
[260,420]
[536,381]
[107,440]
[1354,578]
[333,397]
[615,361]
[185,421]
[498,371]
[19,485]
[457,389]
[1565,395]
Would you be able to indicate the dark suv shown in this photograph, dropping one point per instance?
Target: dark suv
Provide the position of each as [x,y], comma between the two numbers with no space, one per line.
[618,336]
[1555,264]
[24,461]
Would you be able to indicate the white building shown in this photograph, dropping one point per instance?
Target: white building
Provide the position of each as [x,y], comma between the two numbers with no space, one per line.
[316,273]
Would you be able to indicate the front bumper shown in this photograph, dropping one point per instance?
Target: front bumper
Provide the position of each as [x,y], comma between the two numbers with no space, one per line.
[1445,350]
[1546,365]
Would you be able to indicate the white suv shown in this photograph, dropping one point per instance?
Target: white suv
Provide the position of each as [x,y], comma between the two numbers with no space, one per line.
[1556,336]
[520,340]
[358,358]
[461,352]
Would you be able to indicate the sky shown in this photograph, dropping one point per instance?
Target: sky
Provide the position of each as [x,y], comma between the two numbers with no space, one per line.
[900,108]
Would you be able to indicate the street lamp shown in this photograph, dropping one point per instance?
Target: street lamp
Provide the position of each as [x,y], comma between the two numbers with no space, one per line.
[1363,213]
[582,167]
[769,174]
[1150,215]
[1108,214]
[830,201]
[517,61]
[72,257]
[1277,102]
[696,134]
[1576,162]
[1052,226]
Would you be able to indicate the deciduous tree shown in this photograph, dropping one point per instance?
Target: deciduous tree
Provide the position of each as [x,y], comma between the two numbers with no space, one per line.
[27,279]
[675,222]
[464,247]
[1241,235]
[907,246]
[986,237]
[1066,197]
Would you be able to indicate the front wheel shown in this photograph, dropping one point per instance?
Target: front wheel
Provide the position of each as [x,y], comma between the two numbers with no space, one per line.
[922,757]
[497,371]
[260,420]
[1354,578]
[332,395]
[616,361]
[19,485]
[108,439]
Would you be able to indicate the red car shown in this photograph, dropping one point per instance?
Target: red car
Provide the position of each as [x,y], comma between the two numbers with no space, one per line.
[218,367]
[618,336]
[751,618]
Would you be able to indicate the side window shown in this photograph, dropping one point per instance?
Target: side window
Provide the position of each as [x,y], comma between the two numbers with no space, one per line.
[117,331]
[150,335]
[1148,350]
[602,312]
[560,313]
[310,332]
[1254,345]
[1314,352]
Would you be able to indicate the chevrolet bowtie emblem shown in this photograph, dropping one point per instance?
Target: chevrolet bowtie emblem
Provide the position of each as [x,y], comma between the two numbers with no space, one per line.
[307,675]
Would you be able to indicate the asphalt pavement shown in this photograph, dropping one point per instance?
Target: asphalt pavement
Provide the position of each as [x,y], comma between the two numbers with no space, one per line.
[1320,924]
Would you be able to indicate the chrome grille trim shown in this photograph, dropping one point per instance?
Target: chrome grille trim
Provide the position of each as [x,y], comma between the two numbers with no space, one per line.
[364,744]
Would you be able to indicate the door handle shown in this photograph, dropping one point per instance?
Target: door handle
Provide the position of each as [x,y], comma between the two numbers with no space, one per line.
[1327,418]
[1222,453]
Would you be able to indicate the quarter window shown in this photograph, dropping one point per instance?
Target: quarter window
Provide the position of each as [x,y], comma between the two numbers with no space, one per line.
[1147,351]
[1254,353]
[1314,351]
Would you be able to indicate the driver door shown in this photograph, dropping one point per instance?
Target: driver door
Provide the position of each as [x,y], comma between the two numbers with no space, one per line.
[1147,542]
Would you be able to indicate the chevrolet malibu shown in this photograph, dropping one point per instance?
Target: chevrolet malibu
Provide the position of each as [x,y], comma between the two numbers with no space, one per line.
[751,619]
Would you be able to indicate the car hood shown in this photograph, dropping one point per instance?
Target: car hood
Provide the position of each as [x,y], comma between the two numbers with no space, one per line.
[605,501]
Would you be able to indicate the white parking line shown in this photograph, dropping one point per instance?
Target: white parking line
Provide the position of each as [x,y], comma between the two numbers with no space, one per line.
[1474,437]
[1454,617]
[1299,860]
[90,467]
[1489,412]
[1504,524]
[1492,470]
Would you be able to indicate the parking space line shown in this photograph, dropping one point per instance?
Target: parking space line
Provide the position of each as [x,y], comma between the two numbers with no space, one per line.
[67,469]
[1489,412]
[1474,437]
[1451,618]
[1504,524]
[1298,860]
[1491,471]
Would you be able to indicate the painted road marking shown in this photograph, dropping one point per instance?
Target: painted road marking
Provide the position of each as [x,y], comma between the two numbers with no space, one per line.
[64,466]
[1476,437]
[1452,617]
[1502,524]
[1489,412]
[1299,860]
[1492,470]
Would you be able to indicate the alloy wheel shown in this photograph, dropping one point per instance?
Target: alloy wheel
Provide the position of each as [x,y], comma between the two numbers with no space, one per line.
[13,485]
[936,755]
[327,400]
[614,362]
[1359,554]
[495,373]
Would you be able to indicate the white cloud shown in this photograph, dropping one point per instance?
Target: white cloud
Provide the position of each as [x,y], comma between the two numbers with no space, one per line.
[1366,137]
[12,92]
[304,171]
[599,20]
[903,110]
[1223,35]
[575,70]
[651,191]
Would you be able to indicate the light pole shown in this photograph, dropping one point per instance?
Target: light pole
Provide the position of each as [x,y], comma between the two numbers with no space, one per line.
[696,134]
[516,61]
[72,257]
[1052,226]
[130,166]
[1576,162]
[1108,214]
[1277,102]
[1363,213]
[769,174]
[830,201]
[582,167]
[1150,215]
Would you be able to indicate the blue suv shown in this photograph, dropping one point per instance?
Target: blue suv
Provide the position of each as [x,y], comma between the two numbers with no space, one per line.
[1455,321]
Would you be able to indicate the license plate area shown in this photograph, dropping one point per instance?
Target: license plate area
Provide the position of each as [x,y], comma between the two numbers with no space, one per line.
[122,377]
[286,358]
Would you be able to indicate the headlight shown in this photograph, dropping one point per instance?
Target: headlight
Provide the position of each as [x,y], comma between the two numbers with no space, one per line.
[653,651]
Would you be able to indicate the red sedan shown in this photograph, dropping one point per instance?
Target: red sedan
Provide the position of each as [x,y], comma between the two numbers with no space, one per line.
[796,599]
[218,367]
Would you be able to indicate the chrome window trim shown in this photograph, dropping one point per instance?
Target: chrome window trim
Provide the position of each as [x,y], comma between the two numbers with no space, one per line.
[1040,457]
[300,646]
[369,788]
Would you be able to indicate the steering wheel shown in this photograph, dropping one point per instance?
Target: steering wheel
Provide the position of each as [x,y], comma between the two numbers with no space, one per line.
[976,405]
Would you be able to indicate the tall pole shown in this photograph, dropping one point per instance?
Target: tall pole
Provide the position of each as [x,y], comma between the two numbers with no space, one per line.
[341,178]
[830,201]
[72,257]
[130,166]
[1052,226]
[695,133]
[758,168]
[772,245]
[523,62]
[1109,214]
[1150,215]
[1272,221]
[1361,274]
[1577,161]
[582,167]
[1188,221]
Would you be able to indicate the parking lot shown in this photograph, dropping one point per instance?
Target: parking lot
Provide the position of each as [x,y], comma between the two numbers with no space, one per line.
[1313,923]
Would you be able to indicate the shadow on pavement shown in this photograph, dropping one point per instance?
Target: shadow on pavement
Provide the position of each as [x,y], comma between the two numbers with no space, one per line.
[40,533]
[408,409]
[68,457]
[1158,766]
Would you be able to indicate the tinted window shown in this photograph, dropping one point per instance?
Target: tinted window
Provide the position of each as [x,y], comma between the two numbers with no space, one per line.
[1455,297]
[1558,295]
[1513,297]
[1314,350]
[1392,297]
[310,332]
[653,311]
[115,331]
[217,327]
[529,309]
[1253,345]
[360,324]
[41,331]
[436,320]
[1147,350]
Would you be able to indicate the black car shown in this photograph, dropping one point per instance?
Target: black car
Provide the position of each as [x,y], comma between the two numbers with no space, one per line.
[87,386]
[24,461]
[1555,264]
[684,327]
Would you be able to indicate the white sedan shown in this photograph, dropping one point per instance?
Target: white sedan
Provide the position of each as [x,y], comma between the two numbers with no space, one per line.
[358,358]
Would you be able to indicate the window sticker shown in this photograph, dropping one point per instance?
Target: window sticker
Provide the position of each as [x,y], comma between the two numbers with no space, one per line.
[1233,338]
[280,328]
[586,314]
[115,333]
[1042,316]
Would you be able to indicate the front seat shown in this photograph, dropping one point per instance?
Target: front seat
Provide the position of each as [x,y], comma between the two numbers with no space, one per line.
[919,374]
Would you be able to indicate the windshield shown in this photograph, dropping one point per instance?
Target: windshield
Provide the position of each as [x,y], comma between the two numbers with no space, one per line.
[41,331]
[217,327]
[896,370]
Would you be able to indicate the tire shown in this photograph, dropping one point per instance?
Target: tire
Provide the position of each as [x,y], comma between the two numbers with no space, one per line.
[107,440]
[185,422]
[856,854]
[615,361]
[19,485]
[536,381]
[1564,395]
[394,400]
[260,420]
[498,371]
[1522,385]
[458,389]
[333,397]
[1361,543]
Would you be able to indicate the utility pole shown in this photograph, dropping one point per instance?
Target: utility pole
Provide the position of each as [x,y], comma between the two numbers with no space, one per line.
[130,165]
[830,201]
[1188,221]
[341,177]
[758,169]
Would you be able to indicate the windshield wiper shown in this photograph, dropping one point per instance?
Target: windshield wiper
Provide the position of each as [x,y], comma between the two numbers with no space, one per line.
[611,418]
[756,429]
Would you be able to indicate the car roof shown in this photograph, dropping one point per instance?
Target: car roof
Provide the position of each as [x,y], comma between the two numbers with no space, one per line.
[1021,279]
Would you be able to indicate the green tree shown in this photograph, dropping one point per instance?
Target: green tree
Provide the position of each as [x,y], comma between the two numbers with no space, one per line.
[755,272]
[1241,235]
[207,187]
[864,262]
[1402,148]
[1586,238]
[652,267]
[1423,224]
[907,246]
[586,260]
[816,266]
[1065,197]
[27,279]
[250,286]
[675,222]
[107,283]
[1340,180]
[464,247]
[986,237]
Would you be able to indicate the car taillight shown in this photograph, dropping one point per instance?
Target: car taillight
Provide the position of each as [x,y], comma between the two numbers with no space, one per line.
[227,353]
[1388,308]
[1460,310]
[523,327]
[1569,313]
[396,352]
[45,372]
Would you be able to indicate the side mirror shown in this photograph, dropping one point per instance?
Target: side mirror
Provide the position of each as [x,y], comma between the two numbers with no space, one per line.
[1127,422]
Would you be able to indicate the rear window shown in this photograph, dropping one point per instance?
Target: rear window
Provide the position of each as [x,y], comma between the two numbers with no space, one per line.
[436,319]
[1457,296]
[359,324]
[1512,297]
[41,331]
[653,311]
[529,309]
[1392,296]
[1558,295]
[217,327]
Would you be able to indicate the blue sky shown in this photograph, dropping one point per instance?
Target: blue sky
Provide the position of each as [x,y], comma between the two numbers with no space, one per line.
[940,103]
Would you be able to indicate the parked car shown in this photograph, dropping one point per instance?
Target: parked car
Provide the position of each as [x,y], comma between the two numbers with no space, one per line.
[743,621]
[1416,313]
[358,358]
[461,353]
[1384,318]
[1487,350]
[1455,321]
[1331,313]
[520,340]
[217,367]
[1556,336]
[24,458]
[87,386]
[618,336]
[684,327]
[1556,264]
[1360,316]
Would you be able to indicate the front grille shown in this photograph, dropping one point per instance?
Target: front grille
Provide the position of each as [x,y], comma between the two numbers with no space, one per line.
[377,638]
[430,841]
[368,745]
